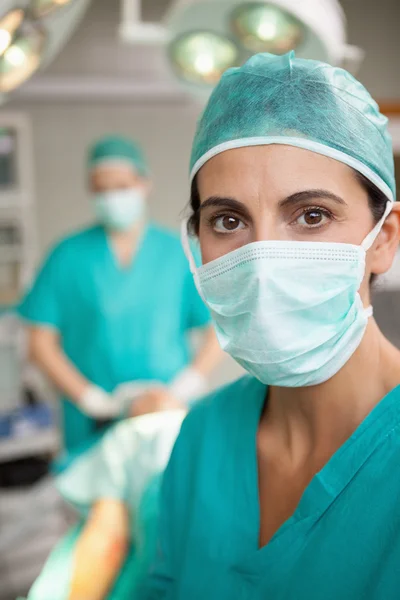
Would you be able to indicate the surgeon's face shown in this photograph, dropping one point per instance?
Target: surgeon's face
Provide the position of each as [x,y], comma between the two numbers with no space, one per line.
[281,192]
[106,178]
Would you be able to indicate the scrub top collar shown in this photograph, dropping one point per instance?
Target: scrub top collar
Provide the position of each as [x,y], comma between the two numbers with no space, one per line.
[143,235]
[322,491]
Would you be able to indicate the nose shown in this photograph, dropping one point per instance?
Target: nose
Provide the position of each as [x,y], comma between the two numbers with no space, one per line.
[266,227]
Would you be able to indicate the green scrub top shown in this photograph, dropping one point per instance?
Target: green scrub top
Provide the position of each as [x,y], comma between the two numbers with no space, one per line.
[343,541]
[117,324]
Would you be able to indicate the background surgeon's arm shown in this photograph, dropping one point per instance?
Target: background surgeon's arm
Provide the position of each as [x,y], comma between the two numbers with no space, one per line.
[43,310]
[45,350]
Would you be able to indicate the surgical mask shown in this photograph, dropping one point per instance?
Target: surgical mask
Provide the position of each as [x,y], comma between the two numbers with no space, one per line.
[289,312]
[118,210]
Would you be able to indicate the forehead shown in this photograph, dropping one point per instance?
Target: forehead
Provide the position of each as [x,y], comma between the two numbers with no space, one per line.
[272,168]
[110,172]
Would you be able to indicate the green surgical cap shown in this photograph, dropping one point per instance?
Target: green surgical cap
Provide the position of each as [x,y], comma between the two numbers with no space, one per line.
[304,103]
[118,150]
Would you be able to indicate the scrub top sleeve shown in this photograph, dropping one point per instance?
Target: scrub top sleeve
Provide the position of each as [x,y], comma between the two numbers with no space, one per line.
[198,314]
[41,305]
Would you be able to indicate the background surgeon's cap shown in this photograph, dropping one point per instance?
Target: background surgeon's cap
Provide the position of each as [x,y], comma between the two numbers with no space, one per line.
[116,150]
[304,103]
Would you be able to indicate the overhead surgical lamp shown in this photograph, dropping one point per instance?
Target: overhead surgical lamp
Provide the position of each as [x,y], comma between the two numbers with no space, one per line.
[23,55]
[32,32]
[9,23]
[202,57]
[314,28]
[205,37]
[263,27]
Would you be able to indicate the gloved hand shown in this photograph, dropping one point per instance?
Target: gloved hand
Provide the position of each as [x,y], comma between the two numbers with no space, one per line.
[188,385]
[96,403]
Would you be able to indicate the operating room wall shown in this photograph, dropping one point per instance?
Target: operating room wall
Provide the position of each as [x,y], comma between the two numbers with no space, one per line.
[61,135]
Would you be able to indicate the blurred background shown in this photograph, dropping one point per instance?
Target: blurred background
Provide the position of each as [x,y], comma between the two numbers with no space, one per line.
[73,71]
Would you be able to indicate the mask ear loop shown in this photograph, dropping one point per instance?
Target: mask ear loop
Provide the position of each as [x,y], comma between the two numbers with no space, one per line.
[189,255]
[371,237]
[186,246]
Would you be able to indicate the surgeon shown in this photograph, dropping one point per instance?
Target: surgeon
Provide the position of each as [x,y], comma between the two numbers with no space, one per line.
[114,304]
[285,484]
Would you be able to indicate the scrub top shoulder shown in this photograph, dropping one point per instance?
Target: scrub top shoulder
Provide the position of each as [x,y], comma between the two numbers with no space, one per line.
[42,305]
[343,541]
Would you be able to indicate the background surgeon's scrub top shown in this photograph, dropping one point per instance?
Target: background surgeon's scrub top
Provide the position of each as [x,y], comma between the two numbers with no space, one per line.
[342,543]
[117,324]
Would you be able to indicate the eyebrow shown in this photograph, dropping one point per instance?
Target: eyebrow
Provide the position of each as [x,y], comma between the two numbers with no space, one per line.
[224,202]
[309,195]
[297,198]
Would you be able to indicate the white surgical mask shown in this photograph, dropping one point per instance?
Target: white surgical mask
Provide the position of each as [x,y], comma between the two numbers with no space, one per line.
[289,312]
[119,209]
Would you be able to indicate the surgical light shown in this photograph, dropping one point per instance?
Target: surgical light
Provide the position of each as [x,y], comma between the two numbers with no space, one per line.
[22,57]
[32,33]
[264,27]
[9,24]
[315,29]
[201,57]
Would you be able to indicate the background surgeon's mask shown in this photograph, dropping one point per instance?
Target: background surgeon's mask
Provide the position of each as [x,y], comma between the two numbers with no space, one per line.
[118,210]
[289,312]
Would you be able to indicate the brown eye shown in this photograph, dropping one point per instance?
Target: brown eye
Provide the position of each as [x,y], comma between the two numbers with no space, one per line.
[313,217]
[227,224]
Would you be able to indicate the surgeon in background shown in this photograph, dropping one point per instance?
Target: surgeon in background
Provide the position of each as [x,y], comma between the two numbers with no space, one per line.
[114,303]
